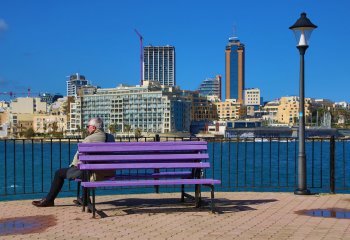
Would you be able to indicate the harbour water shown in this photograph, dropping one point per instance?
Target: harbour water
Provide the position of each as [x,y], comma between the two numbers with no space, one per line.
[27,167]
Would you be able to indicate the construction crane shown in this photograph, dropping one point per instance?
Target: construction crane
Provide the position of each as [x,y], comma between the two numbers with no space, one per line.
[141,55]
[14,94]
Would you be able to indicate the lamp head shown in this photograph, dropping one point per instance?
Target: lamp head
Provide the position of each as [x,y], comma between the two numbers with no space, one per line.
[302,29]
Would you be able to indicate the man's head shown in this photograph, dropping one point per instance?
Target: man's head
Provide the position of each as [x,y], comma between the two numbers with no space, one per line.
[94,124]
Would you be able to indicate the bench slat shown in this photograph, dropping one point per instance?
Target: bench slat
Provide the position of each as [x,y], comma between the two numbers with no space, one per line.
[139,157]
[142,149]
[117,166]
[149,182]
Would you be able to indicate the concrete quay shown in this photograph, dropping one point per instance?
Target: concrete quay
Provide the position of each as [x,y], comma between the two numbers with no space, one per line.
[241,215]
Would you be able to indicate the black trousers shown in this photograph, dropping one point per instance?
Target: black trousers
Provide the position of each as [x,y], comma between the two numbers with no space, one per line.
[57,183]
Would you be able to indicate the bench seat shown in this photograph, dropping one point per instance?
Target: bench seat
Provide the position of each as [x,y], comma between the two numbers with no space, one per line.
[138,183]
[186,161]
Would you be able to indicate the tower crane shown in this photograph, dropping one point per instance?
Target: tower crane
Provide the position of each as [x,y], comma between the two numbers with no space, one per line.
[13,94]
[141,55]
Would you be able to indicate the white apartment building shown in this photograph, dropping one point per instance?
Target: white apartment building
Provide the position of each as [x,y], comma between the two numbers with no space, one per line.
[149,108]
[252,97]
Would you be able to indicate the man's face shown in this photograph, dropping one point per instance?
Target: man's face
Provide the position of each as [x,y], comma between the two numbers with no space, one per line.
[91,129]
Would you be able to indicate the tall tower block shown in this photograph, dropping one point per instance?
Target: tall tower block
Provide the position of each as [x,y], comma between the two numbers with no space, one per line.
[235,69]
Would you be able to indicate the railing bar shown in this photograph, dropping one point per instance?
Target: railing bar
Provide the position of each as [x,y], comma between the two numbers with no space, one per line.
[213,151]
[245,162]
[33,190]
[60,153]
[295,163]
[42,165]
[262,162]
[68,158]
[278,161]
[229,163]
[344,164]
[254,152]
[51,165]
[287,162]
[5,159]
[24,165]
[313,162]
[322,163]
[221,160]
[237,142]
[270,172]
[14,165]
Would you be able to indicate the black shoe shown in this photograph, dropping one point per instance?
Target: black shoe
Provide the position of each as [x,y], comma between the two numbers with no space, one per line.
[43,203]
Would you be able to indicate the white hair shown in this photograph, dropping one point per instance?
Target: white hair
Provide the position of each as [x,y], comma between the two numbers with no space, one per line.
[97,122]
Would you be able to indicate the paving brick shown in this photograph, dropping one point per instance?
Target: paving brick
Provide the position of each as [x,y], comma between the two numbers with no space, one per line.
[243,215]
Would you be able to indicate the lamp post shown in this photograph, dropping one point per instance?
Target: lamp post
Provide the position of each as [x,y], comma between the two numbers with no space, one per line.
[302,29]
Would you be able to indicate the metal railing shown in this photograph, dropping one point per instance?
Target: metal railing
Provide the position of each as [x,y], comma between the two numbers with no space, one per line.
[242,164]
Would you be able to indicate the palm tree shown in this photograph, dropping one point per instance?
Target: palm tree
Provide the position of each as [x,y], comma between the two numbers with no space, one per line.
[112,128]
[138,133]
[127,128]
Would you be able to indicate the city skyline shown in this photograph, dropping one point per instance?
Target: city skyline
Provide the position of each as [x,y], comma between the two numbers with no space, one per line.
[41,43]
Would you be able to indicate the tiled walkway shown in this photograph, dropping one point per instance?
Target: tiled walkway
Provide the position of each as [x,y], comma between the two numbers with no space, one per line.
[243,215]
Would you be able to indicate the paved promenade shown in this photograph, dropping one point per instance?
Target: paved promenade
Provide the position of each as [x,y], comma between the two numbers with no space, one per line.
[242,215]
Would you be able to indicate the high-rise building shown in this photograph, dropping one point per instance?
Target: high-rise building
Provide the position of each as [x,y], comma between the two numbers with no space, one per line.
[234,62]
[211,87]
[159,64]
[75,82]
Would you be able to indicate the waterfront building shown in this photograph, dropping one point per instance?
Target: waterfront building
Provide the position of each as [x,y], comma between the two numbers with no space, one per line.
[21,113]
[230,109]
[235,69]
[159,64]
[87,90]
[252,97]
[202,109]
[28,105]
[344,105]
[48,123]
[252,100]
[50,98]
[269,112]
[75,82]
[211,87]
[148,108]
[74,121]
[288,110]
[4,119]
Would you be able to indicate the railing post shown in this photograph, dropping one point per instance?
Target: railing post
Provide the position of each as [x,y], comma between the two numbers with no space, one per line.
[157,139]
[332,165]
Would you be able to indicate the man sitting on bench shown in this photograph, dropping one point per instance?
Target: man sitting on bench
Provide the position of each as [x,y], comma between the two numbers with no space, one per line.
[96,134]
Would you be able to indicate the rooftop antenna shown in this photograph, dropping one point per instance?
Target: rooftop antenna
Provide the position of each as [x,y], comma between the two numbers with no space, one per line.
[234,33]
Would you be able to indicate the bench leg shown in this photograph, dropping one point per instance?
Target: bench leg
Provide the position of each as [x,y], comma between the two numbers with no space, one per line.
[79,200]
[212,204]
[182,193]
[85,196]
[198,195]
[93,203]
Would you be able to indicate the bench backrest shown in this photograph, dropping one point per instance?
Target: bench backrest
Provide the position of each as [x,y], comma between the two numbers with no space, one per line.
[143,155]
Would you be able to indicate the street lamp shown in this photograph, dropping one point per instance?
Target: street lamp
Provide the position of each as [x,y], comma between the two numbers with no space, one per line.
[302,29]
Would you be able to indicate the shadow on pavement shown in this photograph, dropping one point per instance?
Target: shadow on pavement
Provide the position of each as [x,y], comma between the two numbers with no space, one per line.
[173,205]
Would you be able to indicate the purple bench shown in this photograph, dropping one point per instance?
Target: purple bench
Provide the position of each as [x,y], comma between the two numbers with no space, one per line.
[173,163]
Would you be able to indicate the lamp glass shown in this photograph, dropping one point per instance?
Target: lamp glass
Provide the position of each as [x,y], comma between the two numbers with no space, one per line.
[302,35]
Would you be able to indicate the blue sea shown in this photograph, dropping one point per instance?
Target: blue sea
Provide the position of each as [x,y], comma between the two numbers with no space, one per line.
[27,167]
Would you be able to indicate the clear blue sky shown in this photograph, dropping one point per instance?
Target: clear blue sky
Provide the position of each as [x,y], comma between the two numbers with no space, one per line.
[41,42]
